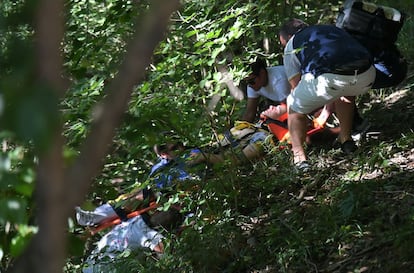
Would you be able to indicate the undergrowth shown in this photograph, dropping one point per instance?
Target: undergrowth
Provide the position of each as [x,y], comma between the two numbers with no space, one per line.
[349,214]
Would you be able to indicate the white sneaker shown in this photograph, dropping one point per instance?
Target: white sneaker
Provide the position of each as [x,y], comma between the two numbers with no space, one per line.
[87,218]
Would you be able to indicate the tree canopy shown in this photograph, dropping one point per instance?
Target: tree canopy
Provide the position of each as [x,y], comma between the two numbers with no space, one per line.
[88,87]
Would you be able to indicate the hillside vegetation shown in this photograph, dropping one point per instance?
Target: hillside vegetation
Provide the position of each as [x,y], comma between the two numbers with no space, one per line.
[88,87]
[349,214]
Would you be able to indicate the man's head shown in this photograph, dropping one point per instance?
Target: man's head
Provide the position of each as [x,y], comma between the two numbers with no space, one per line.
[289,28]
[168,150]
[258,78]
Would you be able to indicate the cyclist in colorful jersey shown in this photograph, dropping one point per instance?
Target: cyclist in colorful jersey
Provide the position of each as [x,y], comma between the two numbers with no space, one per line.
[176,164]
[323,64]
[170,169]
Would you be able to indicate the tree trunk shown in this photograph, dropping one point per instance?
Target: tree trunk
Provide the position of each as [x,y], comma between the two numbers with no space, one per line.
[58,190]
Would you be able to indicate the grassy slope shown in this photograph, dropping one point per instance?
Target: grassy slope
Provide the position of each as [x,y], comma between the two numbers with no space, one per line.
[351,214]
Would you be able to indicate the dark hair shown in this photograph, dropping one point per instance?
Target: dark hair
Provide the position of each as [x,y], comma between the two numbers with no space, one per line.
[167,147]
[290,27]
[258,65]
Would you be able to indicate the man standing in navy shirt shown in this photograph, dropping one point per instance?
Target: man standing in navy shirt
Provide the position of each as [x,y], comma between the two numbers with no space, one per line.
[324,65]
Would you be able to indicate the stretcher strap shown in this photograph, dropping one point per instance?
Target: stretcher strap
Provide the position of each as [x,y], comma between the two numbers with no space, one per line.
[117,220]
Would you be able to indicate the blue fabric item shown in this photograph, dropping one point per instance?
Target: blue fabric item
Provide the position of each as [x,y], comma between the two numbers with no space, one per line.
[195,151]
[391,68]
[160,164]
[320,49]
[166,171]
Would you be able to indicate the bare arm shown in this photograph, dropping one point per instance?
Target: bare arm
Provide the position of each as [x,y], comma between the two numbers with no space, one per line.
[294,81]
[326,111]
[251,108]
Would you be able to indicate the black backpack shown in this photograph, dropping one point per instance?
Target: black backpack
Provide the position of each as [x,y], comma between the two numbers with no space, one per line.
[375,26]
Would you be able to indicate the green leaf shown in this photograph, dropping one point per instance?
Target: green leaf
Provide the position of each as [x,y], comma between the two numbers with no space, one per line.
[22,239]
[13,210]
[348,205]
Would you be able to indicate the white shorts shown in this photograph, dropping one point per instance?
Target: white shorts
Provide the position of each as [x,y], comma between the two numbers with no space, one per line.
[312,93]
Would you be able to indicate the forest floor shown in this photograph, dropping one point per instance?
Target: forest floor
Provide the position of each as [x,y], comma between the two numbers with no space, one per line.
[353,214]
[347,215]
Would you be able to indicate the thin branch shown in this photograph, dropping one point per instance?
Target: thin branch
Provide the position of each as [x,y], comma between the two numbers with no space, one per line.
[150,31]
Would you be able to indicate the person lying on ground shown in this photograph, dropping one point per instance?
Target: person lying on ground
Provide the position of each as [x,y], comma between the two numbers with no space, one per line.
[146,229]
[176,163]
[171,168]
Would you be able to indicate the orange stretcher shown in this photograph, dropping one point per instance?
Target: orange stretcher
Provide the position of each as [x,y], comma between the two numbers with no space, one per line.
[117,220]
[279,127]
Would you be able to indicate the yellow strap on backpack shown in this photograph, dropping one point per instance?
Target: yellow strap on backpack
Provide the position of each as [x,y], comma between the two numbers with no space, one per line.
[242,129]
